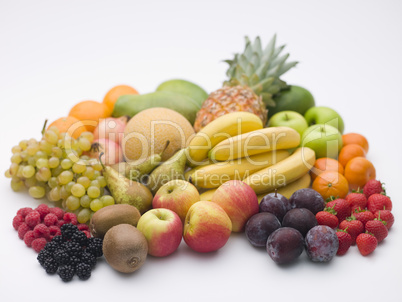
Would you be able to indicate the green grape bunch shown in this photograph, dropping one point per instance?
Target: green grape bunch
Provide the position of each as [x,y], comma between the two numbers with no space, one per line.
[57,168]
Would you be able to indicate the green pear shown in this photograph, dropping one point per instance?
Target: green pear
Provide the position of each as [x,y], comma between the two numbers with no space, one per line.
[126,191]
[173,168]
[137,169]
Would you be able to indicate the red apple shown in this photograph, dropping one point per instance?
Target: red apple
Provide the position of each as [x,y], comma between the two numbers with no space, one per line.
[177,195]
[238,200]
[207,227]
[163,230]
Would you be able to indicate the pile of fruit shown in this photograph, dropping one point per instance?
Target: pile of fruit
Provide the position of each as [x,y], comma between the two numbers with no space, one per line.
[142,172]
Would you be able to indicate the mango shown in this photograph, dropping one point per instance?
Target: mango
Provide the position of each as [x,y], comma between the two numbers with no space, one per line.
[184,87]
[132,104]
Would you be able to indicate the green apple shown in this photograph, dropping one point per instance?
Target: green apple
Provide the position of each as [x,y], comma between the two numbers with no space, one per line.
[324,139]
[324,115]
[289,118]
[295,98]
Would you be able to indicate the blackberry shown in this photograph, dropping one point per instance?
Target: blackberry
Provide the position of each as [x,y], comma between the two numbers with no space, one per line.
[72,248]
[43,256]
[80,238]
[61,256]
[68,230]
[83,271]
[58,239]
[88,258]
[66,272]
[52,246]
[74,261]
[50,266]
[95,246]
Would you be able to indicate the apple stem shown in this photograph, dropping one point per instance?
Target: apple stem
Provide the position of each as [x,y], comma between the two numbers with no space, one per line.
[190,180]
[286,116]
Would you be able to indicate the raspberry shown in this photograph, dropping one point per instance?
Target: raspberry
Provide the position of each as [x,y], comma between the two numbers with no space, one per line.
[58,212]
[38,244]
[88,233]
[70,218]
[54,231]
[32,219]
[22,230]
[50,219]
[83,227]
[41,231]
[29,237]
[43,210]
[17,221]
[24,211]
[61,223]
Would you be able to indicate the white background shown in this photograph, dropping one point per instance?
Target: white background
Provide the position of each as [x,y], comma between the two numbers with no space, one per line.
[54,54]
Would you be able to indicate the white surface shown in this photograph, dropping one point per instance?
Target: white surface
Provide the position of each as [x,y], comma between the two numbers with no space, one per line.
[54,54]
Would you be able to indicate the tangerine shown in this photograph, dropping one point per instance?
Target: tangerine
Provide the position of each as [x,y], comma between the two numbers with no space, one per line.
[355,138]
[350,151]
[331,184]
[359,171]
[90,112]
[113,94]
[326,164]
[71,125]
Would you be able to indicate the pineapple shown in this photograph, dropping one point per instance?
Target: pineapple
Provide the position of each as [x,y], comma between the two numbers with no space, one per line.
[253,81]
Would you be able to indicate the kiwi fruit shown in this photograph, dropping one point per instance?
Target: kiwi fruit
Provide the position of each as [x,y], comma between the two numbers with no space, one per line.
[125,248]
[112,215]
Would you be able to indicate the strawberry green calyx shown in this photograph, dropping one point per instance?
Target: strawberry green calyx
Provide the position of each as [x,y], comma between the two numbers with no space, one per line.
[331,210]
[350,218]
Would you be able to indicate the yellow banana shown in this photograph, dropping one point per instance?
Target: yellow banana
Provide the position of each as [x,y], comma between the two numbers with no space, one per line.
[287,191]
[213,175]
[226,126]
[255,142]
[282,173]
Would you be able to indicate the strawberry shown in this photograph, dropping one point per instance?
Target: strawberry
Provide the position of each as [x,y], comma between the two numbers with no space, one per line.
[353,227]
[379,202]
[327,217]
[366,243]
[377,228]
[345,241]
[356,200]
[363,215]
[372,187]
[386,216]
[341,207]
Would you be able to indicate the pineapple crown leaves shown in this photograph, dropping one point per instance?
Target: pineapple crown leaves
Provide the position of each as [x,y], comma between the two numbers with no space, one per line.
[260,69]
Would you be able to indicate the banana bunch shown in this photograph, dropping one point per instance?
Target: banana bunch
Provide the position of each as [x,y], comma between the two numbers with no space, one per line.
[236,146]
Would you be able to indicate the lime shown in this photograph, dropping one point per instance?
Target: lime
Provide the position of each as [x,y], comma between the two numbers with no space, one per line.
[296,99]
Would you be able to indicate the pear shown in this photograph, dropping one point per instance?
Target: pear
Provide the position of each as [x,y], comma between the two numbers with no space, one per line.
[126,191]
[173,168]
[137,169]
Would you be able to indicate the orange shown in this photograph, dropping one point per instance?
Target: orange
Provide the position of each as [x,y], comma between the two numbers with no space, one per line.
[355,138]
[113,94]
[325,164]
[331,183]
[350,151]
[358,171]
[90,112]
[69,124]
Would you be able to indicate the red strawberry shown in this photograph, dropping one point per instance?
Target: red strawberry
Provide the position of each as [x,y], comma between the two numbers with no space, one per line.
[379,202]
[327,217]
[372,187]
[366,243]
[345,241]
[341,207]
[353,227]
[386,216]
[377,228]
[363,215]
[356,200]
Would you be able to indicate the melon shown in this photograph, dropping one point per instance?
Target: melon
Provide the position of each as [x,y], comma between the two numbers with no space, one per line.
[147,132]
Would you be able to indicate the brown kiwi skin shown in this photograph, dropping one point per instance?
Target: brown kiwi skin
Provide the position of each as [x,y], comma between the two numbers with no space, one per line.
[125,248]
[107,217]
